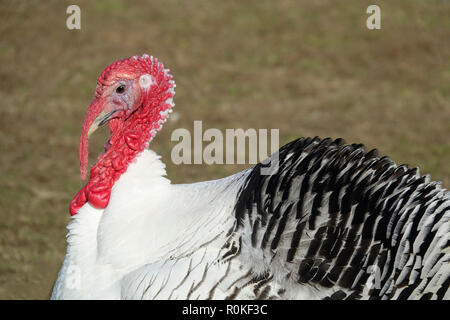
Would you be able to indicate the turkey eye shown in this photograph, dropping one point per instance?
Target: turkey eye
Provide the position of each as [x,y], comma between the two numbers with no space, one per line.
[120,89]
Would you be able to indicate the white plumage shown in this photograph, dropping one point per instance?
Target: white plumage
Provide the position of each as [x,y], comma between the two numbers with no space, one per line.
[147,222]
[158,240]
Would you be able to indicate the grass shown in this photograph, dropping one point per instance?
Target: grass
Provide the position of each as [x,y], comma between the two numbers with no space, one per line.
[305,67]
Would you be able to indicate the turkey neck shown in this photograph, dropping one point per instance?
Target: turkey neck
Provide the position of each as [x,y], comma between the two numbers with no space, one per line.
[128,139]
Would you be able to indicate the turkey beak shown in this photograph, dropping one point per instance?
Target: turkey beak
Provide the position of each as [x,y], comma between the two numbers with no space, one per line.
[101,120]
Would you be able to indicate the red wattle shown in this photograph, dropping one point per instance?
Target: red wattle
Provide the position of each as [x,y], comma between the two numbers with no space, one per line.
[132,141]
[99,199]
[78,201]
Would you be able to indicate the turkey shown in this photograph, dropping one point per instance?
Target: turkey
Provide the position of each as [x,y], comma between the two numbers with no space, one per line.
[331,221]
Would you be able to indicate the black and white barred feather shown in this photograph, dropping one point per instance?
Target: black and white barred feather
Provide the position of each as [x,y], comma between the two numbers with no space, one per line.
[337,222]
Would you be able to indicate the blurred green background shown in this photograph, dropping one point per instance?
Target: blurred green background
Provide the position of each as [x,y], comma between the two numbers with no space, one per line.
[305,67]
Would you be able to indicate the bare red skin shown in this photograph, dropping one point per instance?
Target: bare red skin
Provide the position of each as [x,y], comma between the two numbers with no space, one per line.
[130,129]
